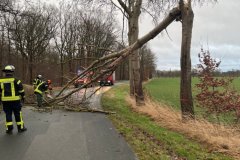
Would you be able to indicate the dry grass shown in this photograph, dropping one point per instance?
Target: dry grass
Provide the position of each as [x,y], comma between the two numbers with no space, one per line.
[29,94]
[217,138]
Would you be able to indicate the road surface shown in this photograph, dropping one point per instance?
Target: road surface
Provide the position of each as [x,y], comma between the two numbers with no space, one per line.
[62,135]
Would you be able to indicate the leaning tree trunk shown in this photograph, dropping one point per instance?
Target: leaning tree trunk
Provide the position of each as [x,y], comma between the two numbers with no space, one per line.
[186,89]
[107,64]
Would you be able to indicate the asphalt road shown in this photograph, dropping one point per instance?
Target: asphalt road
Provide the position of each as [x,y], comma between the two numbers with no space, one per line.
[62,135]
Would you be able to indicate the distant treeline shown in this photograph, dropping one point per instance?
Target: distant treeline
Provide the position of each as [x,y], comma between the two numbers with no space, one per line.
[56,41]
[176,73]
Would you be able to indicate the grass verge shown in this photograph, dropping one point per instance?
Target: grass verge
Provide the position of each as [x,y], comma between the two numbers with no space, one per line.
[167,91]
[149,140]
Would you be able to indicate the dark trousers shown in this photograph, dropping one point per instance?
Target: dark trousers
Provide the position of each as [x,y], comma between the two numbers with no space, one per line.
[13,107]
[39,99]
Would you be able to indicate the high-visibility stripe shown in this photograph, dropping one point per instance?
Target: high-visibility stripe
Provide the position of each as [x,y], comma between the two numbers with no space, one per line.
[9,123]
[37,89]
[36,81]
[14,97]
[6,79]
[21,91]
[21,123]
[18,82]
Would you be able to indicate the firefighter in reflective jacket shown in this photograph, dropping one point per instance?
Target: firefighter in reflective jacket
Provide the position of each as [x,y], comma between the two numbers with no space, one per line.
[12,93]
[37,81]
[41,87]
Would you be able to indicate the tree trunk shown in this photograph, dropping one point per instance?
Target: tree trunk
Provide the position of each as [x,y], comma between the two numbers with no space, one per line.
[131,87]
[30,69]
[23,70]
[9,47]
[70,70]
[134,75]
[61,65]
[2,51]
[134,59]
[186,89]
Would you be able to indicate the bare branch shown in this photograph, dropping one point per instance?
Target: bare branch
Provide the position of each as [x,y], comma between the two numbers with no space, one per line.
[116,58]
[126,9]
[123,11]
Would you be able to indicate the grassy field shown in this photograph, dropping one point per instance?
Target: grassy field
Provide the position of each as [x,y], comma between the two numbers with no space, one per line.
[148,140]
[167,91]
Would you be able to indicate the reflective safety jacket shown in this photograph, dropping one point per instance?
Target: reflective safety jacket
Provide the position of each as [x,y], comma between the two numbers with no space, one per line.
[11,89]
[36,81]
[41,87]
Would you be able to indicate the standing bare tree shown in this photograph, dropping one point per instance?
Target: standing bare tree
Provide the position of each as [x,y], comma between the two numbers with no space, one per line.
[33,30]
[131,10]
[97,35]
[148,64]
[6,10]
[7,6]
[60,37]
[82,37]
[187,17]
[2,43]
[186,89]
[122,72]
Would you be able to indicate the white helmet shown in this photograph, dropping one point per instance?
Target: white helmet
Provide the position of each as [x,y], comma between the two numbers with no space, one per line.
[9,68]
[39,76]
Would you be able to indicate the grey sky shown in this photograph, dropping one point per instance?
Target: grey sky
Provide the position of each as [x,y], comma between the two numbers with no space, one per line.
[216,27]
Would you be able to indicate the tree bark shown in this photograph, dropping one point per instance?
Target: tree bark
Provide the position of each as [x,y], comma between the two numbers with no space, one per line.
[134,59]
[9,47]
[2,50]
[186,88]
[61,66]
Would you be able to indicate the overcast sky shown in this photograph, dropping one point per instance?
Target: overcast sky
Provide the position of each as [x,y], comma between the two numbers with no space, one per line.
[216,27]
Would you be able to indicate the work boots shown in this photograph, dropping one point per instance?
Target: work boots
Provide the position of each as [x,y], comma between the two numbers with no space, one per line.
[9,129]
[20,130]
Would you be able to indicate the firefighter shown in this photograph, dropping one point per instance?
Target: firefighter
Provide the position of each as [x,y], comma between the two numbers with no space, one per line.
[37,81]
[39,90]
[12,93]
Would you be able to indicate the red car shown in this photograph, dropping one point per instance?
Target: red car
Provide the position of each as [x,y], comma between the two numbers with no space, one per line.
[81,81]
[107,81]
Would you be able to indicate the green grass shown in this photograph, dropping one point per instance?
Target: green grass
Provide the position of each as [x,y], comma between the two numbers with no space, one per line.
[167,91]
[148,140]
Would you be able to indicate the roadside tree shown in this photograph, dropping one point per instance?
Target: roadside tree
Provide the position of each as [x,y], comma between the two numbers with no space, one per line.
[31,34]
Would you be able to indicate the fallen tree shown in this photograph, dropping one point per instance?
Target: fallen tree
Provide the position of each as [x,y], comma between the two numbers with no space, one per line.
[107,64]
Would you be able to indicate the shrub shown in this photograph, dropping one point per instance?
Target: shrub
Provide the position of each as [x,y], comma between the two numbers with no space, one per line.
[215,94]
